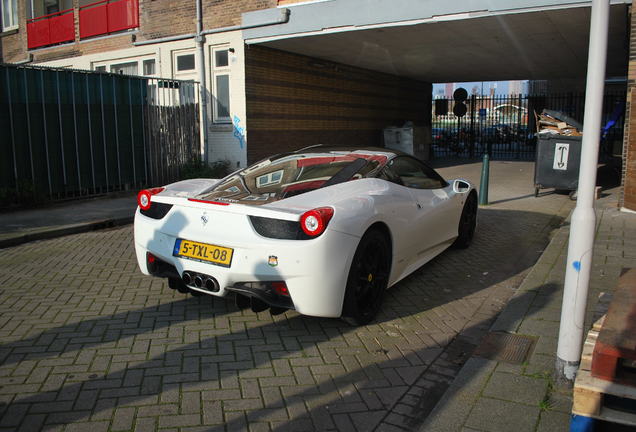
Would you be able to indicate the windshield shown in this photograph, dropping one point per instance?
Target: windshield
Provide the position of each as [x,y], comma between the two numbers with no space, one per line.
[293,174]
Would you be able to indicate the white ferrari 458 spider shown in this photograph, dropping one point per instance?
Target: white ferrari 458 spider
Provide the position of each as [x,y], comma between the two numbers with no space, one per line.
[323,230]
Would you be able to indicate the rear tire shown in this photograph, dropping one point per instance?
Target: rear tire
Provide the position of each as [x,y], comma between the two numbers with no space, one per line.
[467,223]
[368,279]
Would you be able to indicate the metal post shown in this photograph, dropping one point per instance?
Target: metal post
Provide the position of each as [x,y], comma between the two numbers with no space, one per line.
[472,126]
[77,156]
[15,162]
[59,116]
[143,103]
[90,132]
[27,104]
[115,113]
[101,97]
[203,105]
[579,261]
[132,131]
[483,182]
[46,135]
[161,151]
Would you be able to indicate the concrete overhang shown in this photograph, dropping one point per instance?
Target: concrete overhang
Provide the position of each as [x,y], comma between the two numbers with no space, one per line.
[446,41]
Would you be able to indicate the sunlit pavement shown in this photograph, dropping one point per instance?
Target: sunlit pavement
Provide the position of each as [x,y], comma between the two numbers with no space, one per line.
[89,343]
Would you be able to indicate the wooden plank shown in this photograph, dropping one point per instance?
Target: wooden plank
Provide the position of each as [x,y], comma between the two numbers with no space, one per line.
[611,415]
[586,402]
[588,350]
[598,324]
[585,380]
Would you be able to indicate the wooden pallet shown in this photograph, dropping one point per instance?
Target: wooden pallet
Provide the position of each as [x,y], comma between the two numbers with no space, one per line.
[590,392]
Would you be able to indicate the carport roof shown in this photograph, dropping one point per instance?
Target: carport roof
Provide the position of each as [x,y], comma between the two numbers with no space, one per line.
[445,41]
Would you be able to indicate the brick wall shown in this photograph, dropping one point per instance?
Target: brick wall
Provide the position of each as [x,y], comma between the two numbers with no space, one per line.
[628,193]
[295,101]
[157,18]
[14,43]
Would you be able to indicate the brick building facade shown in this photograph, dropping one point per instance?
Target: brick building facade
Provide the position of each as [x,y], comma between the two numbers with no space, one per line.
[279,99]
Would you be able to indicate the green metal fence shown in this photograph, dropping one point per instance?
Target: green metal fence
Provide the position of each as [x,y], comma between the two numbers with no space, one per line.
[69,133]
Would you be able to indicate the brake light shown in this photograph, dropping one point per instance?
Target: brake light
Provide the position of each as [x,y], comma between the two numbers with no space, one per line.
[143,197]
[280,288]
[151,262]
[314,222]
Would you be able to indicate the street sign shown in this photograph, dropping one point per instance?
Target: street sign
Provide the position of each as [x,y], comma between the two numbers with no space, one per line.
[561,153]
[460,96]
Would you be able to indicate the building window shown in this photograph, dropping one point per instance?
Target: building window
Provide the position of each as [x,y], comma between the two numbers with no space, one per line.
[149,67]
[39,8]
[128,68]
[221,84]
[185,62]
[9,14]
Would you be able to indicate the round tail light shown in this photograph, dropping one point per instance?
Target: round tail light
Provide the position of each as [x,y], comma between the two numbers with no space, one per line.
[144,197]
[314,222]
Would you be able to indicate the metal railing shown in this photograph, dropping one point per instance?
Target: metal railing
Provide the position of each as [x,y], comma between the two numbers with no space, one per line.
[107,16]
[51,29]
[72,133]
[505,127]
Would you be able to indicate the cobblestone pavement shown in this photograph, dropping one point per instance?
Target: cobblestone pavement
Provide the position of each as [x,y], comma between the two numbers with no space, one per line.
[492,396]
[89,343]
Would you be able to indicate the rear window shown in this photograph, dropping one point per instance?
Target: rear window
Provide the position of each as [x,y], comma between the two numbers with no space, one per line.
[293,174]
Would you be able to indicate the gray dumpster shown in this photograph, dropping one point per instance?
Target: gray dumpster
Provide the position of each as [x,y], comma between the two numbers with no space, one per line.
[557,162]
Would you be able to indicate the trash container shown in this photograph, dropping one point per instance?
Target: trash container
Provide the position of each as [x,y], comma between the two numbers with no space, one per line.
[415,141]
[557,164]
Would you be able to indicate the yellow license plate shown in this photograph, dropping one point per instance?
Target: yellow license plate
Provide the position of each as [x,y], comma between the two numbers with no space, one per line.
[203,252]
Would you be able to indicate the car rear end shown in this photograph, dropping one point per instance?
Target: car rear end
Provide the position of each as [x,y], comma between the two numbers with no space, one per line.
[260,253]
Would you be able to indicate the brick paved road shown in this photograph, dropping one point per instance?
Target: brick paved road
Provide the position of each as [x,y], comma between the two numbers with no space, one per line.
[89,344]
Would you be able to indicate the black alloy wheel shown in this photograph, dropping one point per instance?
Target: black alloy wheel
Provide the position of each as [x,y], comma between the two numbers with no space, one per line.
[467,223]
[368,278]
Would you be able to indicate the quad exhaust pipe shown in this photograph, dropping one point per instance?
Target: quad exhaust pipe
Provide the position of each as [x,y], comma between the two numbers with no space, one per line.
[201,281]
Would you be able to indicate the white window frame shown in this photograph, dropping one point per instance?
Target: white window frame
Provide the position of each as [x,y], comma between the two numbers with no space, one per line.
[140,63]
[216,72]
[11,4]
[186,74]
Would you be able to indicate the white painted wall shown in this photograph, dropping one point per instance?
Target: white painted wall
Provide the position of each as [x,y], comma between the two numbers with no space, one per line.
[226,141]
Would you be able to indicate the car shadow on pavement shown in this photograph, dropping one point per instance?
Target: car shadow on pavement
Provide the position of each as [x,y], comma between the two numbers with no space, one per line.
[360,398]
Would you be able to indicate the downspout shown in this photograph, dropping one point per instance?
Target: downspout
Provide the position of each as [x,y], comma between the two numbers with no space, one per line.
[199,38]
[203,99]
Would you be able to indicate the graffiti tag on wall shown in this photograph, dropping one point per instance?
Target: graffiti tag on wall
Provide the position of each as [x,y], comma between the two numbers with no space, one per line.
[239,131]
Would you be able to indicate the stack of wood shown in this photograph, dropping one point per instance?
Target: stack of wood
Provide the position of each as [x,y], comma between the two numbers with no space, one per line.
[605,386]
[553,122]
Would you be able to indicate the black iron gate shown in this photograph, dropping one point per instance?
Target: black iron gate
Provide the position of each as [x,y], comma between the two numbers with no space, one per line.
[504,125]
[70,133]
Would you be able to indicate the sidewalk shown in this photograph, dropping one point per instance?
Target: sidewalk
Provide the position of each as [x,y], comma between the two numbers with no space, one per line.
[490,395]
[71,217]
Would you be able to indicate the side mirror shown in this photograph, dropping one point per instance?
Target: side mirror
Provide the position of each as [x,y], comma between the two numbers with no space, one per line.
[461,186]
